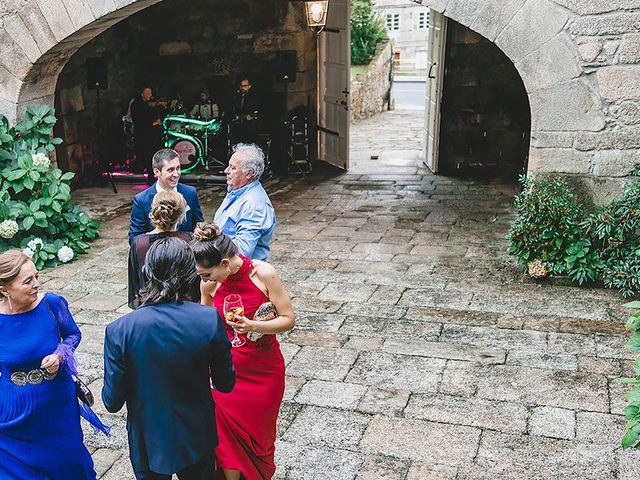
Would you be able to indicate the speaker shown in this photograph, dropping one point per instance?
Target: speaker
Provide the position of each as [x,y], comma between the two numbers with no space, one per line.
[286,66]
[96,73]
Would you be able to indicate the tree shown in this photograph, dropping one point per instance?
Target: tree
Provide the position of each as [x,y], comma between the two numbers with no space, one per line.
[367,31]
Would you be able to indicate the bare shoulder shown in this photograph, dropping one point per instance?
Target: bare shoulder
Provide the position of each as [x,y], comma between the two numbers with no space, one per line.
[265,271]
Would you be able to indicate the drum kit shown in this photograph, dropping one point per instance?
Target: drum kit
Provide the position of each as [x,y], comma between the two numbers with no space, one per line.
[193,139]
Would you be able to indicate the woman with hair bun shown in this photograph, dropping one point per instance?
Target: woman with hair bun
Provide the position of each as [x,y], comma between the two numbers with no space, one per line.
[246,417]
[167,211]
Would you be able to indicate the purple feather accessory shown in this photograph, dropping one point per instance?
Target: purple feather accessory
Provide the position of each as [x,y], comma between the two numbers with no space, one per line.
[67,354]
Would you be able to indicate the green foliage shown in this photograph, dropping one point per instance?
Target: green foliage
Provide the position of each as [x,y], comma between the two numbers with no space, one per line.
[36,196]
[548,228]
[631,438]
[367,31]
[614,232]
[554,228]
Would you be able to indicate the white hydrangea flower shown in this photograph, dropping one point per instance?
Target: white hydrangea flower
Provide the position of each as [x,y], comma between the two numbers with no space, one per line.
[33,244]
[40,160]
[28,252]
[65,254]
[8,229]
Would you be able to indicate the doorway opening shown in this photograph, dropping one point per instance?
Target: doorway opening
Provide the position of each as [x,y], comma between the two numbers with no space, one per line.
[485,119]
[179,53]
[388,94]
[457,103]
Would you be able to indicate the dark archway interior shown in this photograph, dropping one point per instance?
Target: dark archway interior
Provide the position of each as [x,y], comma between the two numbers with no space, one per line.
[178,48]
[486,119]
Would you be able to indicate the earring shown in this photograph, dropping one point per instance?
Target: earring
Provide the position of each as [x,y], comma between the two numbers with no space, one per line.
[9,300]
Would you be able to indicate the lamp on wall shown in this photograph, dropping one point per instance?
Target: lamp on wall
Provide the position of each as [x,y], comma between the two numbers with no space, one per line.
[316,14]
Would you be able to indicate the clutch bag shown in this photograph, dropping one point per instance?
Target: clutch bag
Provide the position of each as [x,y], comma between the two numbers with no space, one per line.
[266,311]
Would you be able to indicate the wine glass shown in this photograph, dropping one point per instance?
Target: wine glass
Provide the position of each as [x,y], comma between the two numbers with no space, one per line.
[233,306]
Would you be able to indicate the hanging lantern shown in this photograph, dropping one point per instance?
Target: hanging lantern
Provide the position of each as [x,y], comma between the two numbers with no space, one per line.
[316,13]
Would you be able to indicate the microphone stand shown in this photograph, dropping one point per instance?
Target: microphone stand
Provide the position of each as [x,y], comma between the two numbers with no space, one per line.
[99,143]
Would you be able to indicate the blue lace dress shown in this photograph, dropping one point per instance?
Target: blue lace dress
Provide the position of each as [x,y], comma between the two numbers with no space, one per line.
[40,434]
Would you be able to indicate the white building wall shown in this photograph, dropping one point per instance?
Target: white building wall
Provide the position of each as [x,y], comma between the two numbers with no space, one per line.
[410,38]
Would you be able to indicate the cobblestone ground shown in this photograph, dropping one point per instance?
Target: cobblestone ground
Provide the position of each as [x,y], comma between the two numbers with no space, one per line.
[420,351]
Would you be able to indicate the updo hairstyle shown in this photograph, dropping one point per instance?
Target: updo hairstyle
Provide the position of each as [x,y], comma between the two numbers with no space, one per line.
[11,262]
[167,210]
[210,245]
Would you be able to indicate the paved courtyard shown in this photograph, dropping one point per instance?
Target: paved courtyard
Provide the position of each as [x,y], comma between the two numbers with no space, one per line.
[420,351]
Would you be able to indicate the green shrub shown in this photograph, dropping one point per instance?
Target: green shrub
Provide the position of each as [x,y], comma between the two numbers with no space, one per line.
[548,229]
[367,31]
[614,232]
[631,436]
[36,213]
[554,234]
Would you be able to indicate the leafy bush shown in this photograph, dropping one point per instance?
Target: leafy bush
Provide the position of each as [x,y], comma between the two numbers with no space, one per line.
[36,213]
[631,438]
[367,31]
[554,230]
[548,228]
[614,232]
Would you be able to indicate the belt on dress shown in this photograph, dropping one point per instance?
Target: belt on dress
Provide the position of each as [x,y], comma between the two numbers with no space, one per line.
[33,377]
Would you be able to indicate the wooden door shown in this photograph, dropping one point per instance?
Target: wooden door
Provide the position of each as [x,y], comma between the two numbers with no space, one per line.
[334,63]
[435,59]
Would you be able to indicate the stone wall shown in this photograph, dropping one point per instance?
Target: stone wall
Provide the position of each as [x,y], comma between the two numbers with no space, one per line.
[485,120]
[606,37]
[579,63]
[178,51]
[578,60]
[370,89]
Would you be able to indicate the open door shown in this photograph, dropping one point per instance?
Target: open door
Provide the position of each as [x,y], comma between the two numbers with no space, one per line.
[435,60]
[334,62]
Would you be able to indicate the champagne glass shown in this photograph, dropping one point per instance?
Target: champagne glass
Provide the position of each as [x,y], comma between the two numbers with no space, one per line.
[233,306]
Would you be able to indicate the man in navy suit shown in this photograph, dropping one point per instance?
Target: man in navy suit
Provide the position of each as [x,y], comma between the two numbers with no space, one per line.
[166,167]
[159,359]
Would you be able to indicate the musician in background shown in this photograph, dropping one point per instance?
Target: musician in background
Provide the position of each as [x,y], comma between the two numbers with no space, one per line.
[205,108]
[246,111]
[145,113]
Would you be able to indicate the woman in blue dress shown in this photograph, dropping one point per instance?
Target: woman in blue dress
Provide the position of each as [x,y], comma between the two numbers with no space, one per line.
[40,434]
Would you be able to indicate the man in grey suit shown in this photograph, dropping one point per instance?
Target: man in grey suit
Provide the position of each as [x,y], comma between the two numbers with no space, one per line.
[159,359]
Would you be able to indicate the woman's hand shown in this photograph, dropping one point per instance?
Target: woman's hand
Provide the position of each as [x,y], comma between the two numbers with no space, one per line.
[242,324]
[51,363]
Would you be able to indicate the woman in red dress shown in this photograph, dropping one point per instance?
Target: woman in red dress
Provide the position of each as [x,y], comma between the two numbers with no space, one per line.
[246,417]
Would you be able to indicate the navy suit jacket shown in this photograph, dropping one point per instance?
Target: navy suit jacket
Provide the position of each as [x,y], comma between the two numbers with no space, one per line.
[159,359]
[140,222]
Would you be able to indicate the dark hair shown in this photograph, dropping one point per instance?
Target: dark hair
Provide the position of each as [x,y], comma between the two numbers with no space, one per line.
[210,245]
[170,270]
[161,156]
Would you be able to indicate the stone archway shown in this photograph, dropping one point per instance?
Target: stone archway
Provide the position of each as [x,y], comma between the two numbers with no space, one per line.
[39,36]
[533,34]
[567,91]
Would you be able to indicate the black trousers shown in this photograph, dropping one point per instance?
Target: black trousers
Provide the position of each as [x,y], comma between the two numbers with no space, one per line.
[147,144]
[201,470]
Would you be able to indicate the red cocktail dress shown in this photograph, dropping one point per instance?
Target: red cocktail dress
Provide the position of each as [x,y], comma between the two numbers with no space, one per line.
[246,417]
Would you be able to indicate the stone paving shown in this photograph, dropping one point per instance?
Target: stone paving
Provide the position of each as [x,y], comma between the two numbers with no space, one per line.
[420,351]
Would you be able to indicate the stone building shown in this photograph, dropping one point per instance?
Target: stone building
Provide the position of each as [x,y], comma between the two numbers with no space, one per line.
[578,62]
[407,25]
